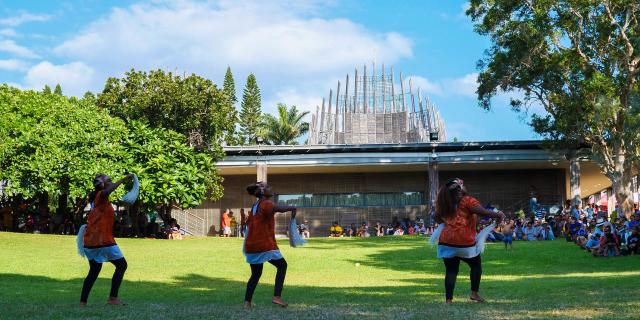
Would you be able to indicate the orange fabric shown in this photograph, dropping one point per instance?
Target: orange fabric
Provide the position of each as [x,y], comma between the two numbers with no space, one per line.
[226,220]
[460,229]
[99,232]
[262,233]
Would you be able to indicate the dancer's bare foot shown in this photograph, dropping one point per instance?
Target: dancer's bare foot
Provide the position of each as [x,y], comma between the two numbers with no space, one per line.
[476,297]
[83,304]
[115,302]
[247,305]
[279,301]
[448,301]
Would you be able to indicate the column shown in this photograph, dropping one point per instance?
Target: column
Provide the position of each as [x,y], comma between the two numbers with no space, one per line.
[574,179]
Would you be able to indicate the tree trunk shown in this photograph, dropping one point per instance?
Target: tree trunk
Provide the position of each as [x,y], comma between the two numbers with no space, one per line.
[621,181]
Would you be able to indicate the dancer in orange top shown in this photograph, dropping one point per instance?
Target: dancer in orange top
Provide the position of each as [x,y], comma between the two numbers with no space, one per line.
[99,244]
[457,241]
[260,243]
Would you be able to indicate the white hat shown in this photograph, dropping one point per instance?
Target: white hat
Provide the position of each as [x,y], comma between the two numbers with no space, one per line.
[600,222]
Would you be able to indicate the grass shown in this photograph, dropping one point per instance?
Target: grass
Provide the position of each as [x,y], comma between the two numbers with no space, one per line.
[397,278]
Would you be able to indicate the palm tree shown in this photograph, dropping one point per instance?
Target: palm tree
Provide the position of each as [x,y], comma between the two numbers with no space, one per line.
[286,128]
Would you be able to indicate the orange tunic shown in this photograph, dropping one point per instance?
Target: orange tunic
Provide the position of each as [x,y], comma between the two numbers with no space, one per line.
[99,232]
[262,233]
[460,229]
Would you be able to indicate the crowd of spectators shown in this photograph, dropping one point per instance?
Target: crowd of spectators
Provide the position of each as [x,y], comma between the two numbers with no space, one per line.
[604,238]
[395,228]
[33,218]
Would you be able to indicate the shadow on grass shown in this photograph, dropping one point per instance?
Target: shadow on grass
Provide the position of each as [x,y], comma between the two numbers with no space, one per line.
[197,296]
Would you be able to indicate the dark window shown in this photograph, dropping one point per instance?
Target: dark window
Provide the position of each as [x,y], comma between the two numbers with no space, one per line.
[372,199]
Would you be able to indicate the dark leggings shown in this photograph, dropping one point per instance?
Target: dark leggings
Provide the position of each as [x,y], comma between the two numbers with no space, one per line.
[94,271]
[256,273]
[452,266]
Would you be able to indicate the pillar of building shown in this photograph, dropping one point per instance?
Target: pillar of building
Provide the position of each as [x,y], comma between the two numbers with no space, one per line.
[574,179]
[433,185]
[261,169]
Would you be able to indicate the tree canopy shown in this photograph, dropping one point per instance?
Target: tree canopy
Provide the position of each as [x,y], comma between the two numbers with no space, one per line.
[53,145]
[251,111]
[190,105]
[286,128]
[579,61]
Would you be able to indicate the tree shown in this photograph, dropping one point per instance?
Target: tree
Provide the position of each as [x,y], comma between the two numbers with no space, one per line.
[191,105]
[171,173]
[580,61]
[52,146]
[250,113]
[58,90]
[287,127]
[229,87]
[46,89]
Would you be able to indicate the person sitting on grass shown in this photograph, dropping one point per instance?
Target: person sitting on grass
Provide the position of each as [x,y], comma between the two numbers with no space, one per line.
[574,227]
[421,230]
[379,229]
[390,229]
[633,241]
[529,232]
[173,232]
[609,244]
[399,231]
[335,230]
[304,229]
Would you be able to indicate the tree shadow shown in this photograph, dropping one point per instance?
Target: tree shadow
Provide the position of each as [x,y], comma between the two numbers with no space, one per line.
[198,296]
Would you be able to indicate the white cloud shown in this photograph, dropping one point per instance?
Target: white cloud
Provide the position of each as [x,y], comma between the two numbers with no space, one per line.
[23,17]
[12,65]
[462,86]
[427,86]
[8,32]
[74,77]
[12,47]
[280,42]
[465,85]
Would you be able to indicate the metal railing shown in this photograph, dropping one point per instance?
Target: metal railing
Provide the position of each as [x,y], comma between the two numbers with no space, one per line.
[189,222]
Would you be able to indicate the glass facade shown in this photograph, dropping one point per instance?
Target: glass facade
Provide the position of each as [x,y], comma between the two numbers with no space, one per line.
[357,199]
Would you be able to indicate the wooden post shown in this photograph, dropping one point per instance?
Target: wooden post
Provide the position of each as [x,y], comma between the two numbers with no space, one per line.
[384,88]
[355,92]
[404,102]
[373,87]
[393,94]
[364,90]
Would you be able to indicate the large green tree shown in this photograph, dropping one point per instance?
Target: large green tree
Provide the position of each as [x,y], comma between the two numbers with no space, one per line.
[51,146]
[229,86]
[577,59]
[251,111]
[287,127]
[171,173]
[191,105]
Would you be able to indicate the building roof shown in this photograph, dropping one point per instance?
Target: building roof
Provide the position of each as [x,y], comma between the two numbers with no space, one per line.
[391,148]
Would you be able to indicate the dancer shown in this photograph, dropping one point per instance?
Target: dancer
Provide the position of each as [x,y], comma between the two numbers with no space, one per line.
[457,212]
[99,246]
[507,232]
[260,243]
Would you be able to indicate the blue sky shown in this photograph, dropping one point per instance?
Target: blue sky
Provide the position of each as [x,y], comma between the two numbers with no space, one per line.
[298,51]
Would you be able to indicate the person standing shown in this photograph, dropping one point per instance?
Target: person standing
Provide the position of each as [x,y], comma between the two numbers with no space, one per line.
[458,212]
[243,223]
[225,223]
[98,242]
[260,244]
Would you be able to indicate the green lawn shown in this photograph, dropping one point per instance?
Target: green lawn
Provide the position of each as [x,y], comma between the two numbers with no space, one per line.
[397,277]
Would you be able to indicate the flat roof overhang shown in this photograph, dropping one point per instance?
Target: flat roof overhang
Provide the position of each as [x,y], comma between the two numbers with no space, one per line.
[453,156]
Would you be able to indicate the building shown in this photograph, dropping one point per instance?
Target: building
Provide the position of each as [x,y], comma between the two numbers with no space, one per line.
[377,151]
[383,182]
